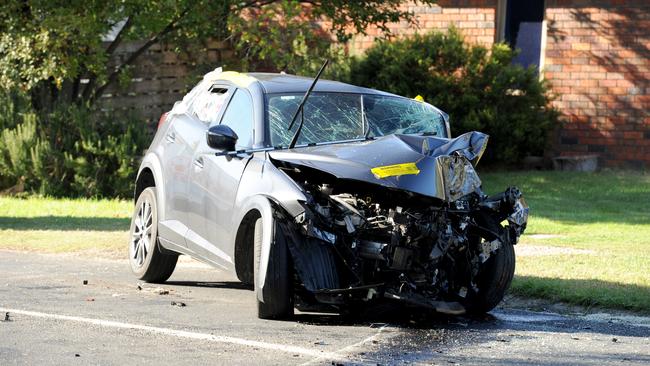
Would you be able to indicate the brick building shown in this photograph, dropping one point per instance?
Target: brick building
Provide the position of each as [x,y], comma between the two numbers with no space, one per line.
[596,55]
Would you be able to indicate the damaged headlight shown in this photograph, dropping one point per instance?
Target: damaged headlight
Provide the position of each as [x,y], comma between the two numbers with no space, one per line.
[458,177]
[519,214]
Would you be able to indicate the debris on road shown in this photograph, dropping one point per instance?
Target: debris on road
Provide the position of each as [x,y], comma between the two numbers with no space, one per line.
[7,319]
[614,340]
[85,282]
[154,290]
[160,291]
[178,303]
[77,355]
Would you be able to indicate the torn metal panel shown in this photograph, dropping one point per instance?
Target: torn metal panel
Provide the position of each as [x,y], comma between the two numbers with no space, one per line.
[420,232]
[418,164]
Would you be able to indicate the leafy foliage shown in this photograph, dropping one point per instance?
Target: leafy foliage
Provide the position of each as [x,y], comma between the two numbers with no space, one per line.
[480,89]
[71,151]
[281,37]
[48,47]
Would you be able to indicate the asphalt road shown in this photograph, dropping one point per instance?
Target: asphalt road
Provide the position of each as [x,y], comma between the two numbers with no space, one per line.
[115,320]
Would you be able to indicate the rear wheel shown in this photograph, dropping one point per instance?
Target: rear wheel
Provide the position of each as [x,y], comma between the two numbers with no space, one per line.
[277,292]
[494,280]
[147,260]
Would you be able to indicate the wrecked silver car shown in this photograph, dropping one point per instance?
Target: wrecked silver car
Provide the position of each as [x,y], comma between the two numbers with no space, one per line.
[323,196]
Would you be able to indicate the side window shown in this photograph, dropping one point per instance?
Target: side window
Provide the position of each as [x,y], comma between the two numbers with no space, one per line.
[239,117]
[207,104]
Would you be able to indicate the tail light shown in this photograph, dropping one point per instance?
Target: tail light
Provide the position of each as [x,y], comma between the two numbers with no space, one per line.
[162,119]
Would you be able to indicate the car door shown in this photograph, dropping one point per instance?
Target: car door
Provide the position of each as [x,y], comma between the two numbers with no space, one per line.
[179,144]
[214,181]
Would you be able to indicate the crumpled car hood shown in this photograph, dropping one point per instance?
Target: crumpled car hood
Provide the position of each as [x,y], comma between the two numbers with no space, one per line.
[431,166]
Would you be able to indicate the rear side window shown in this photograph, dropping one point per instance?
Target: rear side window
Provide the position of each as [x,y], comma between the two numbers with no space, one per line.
[207,104]
[239,117]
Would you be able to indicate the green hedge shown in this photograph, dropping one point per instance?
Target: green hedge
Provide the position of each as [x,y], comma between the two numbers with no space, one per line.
[480,89]
[71,151]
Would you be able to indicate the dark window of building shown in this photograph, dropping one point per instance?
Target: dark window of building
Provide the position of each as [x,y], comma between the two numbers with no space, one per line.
[523,30]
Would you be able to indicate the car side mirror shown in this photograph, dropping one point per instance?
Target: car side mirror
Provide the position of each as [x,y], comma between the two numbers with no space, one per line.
[221,137]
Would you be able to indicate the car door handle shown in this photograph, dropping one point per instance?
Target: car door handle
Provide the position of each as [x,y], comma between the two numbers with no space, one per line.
[198,162]
[171,136]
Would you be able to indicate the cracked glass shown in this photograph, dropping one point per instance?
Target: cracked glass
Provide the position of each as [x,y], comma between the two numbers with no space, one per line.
[347,116]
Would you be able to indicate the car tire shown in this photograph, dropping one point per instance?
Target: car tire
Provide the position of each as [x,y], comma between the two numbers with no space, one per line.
[277,293]
[148,262]
[495,279]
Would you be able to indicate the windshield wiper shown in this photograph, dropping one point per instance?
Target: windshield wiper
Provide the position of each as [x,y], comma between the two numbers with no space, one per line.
[364,120]
[302,105]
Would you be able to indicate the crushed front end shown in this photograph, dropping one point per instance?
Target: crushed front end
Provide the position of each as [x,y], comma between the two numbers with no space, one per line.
[357,241]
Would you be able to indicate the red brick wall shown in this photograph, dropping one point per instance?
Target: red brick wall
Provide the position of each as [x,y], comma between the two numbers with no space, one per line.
[598,62]
[597,59]
[474,18]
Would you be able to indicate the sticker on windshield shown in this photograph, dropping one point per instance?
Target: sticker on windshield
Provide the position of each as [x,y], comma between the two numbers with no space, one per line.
[395,170]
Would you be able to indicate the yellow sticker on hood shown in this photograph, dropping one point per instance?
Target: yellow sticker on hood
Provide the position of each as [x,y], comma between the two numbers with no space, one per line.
[395,170]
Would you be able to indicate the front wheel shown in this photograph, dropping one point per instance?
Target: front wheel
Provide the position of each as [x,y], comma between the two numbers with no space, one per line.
[277,291]
[494,280]
[147,260]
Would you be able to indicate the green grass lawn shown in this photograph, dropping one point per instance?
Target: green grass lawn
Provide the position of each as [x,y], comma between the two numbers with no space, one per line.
[65,225]
[588,237]
[587,240]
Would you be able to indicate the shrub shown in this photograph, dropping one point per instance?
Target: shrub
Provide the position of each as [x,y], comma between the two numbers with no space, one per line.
[71,151]
[480,89]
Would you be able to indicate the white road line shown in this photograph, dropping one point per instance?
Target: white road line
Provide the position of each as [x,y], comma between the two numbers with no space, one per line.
[349,349]
[181,334]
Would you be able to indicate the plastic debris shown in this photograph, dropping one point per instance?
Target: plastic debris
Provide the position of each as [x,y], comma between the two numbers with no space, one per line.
[160,291]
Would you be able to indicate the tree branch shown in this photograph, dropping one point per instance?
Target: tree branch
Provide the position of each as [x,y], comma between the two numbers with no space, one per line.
[120,35]
[255,4]
[109,51]
[137,53]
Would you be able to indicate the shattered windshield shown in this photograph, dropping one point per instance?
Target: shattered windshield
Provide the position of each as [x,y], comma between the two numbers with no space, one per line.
[346,116]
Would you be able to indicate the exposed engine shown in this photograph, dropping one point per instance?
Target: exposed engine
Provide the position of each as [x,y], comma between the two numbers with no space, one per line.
[412,225]
[396,245]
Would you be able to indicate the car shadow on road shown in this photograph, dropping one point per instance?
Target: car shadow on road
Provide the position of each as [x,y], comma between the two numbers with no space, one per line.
[380,314]
[234,285]
[413,320]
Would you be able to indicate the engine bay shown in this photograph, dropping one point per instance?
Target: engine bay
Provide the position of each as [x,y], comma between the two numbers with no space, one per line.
[386,243]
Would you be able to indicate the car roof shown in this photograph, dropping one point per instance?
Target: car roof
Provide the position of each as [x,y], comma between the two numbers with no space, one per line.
[286,83]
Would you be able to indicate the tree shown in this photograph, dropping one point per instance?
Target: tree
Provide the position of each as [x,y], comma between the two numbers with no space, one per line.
[481,89]
[53,49]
